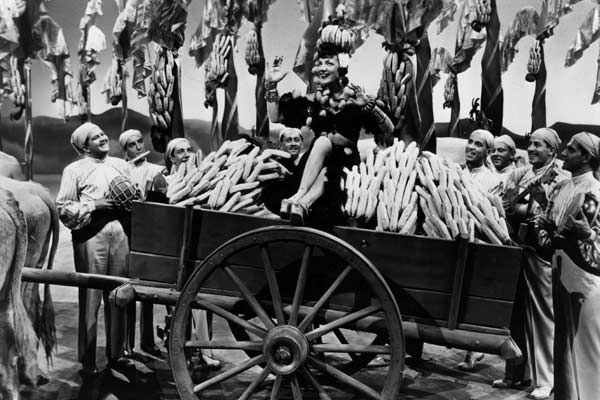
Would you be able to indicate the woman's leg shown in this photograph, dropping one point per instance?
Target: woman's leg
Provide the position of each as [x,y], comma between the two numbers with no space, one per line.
[315,191]
[320,151]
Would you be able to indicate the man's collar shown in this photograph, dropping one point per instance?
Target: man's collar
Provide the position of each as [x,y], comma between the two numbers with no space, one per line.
[96,160]
[478,169]
[506,169]
[583,177]
[546,167]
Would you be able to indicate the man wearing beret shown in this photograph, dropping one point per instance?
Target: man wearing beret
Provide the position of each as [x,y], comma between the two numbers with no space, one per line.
[570,227]
[142,172]
[99,241]
[534,297]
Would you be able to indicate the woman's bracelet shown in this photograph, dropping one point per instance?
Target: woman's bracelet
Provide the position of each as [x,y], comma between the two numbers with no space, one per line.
[376,112]
[272,95]
[270,85]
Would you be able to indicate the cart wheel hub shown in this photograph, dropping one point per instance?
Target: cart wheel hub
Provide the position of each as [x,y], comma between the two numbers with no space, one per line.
[283,355]
[285,349]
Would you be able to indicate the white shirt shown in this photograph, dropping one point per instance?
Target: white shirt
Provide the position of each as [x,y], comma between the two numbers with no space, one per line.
[83,182]
[484,178]
[143,172]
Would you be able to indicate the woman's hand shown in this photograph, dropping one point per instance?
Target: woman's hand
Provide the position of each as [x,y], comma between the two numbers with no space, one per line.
[274,72]
[360,98]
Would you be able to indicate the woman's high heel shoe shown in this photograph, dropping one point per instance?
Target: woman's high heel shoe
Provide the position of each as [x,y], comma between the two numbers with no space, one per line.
[298,214]
[285,209]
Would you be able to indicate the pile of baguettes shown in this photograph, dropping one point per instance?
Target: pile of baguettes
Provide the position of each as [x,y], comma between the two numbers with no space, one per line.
[413,192]
[229,179]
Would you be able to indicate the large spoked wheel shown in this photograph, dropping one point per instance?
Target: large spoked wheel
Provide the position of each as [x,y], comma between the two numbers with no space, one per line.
[314,299]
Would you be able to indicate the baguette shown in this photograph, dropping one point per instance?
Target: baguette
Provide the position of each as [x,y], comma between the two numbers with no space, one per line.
[407,212]
[249,162]
[268,177]
[370,163]
[244,186]
[385,220]
[241,204]
[223,149]
[179,195]
[411,223]
[239,148]
[488,231]
[253,194]
[362,203]
[237,175]
[409,190]
[214,195]
[203,197]
[255,172]
[372,206]
[222,197]
[231,202]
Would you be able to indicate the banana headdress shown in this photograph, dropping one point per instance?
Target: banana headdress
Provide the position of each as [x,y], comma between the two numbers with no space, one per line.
[335,38]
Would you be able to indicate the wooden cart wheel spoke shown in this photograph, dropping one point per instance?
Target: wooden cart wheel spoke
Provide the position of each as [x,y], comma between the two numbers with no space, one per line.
[254,385]
[296,392]
[343,378]
[338,323]
[340,336]
[229,373]
[284,339]
[317,307]
[350,348]
[320,390]
[252,301]
[225,345]
[299,293]
[273,286]
[276,387]
[249,326]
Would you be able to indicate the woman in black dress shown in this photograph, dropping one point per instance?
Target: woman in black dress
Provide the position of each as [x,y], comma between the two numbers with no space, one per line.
[336,112]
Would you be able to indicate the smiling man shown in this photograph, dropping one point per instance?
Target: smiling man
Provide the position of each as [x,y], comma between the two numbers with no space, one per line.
[142,171]
[572,222]
[477,150]
[291,141]
[533,320]
[99,241]
[503,156]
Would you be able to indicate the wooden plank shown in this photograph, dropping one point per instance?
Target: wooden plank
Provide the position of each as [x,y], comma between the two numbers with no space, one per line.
[185,267]
[427,263]
[431,306]
[427,305]
[218,227]
[153,267]
[156,228]
[462,253]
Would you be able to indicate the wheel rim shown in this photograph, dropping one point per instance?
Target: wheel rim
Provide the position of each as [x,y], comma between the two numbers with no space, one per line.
[287,342]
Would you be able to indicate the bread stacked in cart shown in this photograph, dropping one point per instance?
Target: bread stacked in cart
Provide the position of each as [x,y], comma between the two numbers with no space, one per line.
[229,179]
[412,192]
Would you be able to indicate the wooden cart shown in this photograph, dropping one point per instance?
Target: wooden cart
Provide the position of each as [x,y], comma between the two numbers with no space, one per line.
[309,308]
[295,298]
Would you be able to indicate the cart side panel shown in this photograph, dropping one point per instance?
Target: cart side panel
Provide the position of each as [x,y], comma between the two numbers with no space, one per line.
[157,228]
[420,272]
[426,263]
[217,228]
